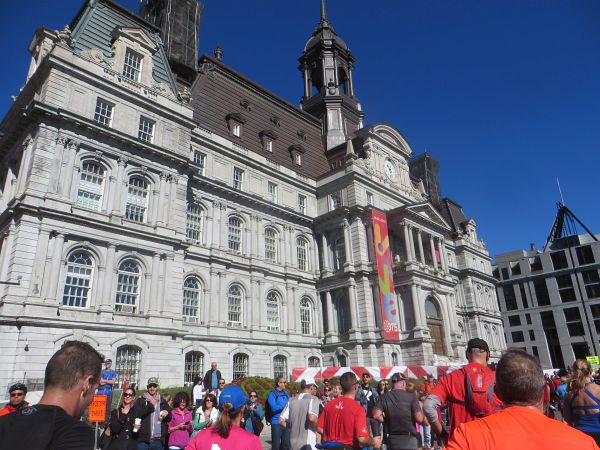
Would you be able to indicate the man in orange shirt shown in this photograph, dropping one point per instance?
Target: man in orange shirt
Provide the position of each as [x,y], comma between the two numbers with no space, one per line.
[522,424]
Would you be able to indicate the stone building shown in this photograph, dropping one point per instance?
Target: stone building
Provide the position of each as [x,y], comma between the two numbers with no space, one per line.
[173,212]
[550,298]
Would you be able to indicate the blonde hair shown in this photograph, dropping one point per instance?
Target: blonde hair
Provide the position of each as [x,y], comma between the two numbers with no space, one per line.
[226,419]
[581,373]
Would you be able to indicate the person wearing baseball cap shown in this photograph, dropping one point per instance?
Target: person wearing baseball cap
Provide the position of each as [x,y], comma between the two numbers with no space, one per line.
[300,415]
[227,434]
[108,379]
[17,392]
[468,391]
[152,433]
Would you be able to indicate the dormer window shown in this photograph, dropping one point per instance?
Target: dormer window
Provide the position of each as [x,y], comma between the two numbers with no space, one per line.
[296,152]
[269,145]
[132,67]
[237,130]
[267,138]
[298,159]
[235,122]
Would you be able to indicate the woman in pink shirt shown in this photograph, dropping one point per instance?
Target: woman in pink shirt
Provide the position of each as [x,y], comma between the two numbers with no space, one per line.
[180,425]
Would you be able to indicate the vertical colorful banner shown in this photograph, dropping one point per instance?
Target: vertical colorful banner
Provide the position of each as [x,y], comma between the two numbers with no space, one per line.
[387,295]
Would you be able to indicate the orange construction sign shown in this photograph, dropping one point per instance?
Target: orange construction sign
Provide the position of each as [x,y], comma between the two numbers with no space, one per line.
[97,411]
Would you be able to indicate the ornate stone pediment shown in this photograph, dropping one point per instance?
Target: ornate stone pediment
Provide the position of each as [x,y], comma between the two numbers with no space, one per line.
[427,213]
[135,35]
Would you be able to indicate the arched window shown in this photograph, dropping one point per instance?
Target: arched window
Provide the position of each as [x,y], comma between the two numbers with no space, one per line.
[435,324]
[127,365]
[234,234]
[91,186]
[339,253]
[128,287]
[271,245]
[280,367]
[273,320]
[234,306]
[194,367]
[342,361]
[194,225]
[137,199]
[302,253]
[394,359]
[313,361]
[80,269]
[240,365]
[191,299]
[306,316]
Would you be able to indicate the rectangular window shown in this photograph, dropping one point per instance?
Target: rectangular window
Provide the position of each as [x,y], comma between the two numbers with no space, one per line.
[301,204]
[535,352]
[517,336]
[514,321]
[510,298]
[298,159]
[585,255]
[269,145]
[523,296]
[271,192]
[565,288]
[200,161]
[236,129]
[238,179]
[592,283]
[541,292]
[515,269]
[504,272]
[596,316]
[104,112]
[336,200]
[531,335]
[370,198]
[573,319]
[146,130]
[559,260]
[535,264]
[580,350]
[132,66]
[528,318]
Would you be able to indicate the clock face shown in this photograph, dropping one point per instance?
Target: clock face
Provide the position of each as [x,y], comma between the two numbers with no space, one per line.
[390,169]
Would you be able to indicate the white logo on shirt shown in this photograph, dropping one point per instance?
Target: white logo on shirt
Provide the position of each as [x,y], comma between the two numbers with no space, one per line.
[215,447]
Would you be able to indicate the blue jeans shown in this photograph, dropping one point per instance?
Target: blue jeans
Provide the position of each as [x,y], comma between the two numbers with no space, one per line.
[153,445]
[280,437]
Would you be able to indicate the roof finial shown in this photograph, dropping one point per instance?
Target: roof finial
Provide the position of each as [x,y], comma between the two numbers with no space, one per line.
[323,13]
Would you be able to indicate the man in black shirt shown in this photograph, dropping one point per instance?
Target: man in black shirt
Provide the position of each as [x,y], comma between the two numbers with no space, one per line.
[71,379]
[400,410]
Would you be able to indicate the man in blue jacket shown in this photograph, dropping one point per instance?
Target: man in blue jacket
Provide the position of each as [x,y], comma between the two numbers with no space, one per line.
[278,399]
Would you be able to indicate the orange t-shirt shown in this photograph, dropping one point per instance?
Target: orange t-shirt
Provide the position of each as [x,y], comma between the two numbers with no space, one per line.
[519,427]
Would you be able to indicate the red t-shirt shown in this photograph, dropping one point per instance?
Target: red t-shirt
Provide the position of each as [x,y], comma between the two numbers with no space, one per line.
[451,389]
[343,420]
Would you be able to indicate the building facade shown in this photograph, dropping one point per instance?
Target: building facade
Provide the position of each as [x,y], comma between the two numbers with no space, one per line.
[172,212]
[550,299]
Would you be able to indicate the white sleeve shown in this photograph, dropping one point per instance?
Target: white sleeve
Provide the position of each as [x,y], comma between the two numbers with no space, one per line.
[285,414]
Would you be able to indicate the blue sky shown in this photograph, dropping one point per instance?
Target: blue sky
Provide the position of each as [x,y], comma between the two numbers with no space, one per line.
[504,93]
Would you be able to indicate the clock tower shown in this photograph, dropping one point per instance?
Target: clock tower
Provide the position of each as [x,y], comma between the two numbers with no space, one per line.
[326,65]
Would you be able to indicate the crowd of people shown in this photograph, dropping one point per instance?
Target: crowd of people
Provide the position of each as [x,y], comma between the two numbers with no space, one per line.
[515,406]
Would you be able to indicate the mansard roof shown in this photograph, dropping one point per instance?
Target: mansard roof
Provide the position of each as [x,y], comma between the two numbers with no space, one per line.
[220,91]
[95,23]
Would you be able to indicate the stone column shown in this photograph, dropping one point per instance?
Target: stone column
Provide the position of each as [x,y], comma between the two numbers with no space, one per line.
[106,301]
[442,255]
[261,310]
[109,199]
[67,175]
[411,243]
[213,299]
[292,308]
[329,304]
[216,224]
[171,206]
[407,243]
[420,241]
[163,304]
[120,189]
[352,306]
[161,212]
[418,314]
[223,305]
[57,249]
[432,246]
[5,253]
[348,243]
[26,161]
[325,249]
[284,319]
[154,291]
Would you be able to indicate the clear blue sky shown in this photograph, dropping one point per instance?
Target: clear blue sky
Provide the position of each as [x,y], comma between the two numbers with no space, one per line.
[504,93]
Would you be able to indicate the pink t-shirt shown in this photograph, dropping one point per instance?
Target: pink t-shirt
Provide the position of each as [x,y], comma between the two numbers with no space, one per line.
[238,439]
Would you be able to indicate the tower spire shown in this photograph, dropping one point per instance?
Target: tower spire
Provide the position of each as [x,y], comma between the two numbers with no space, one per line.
[323,12]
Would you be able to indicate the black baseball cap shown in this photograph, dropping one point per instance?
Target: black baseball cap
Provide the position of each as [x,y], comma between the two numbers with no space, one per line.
[477,343]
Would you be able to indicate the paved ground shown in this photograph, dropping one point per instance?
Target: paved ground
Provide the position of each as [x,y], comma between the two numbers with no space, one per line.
[265,437]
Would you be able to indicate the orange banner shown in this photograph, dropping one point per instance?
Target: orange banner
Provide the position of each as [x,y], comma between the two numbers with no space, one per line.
[97,411]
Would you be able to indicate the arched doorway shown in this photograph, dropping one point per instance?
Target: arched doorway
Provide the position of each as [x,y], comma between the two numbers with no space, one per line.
[435,324]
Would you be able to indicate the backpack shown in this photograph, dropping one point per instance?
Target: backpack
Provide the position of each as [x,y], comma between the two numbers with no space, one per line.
[479,391]
[269,413]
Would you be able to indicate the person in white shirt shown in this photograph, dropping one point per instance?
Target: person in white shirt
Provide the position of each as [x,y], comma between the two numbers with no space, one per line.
[197,392]
[300,416]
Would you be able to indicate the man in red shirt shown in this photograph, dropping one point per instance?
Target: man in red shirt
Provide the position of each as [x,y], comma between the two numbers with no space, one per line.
[450,390]
[344,421]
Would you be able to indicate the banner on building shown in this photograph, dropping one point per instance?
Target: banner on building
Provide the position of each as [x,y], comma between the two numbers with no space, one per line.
[387,295]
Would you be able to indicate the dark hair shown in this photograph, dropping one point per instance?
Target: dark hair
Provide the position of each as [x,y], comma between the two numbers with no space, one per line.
[348,380]
[519,378]
[74,361]
[129,389]
[278,379]
[226,418]
[181,397]
[196,379]
[212,398]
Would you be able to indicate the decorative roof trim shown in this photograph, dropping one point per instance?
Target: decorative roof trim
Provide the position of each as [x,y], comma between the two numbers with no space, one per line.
[235,116]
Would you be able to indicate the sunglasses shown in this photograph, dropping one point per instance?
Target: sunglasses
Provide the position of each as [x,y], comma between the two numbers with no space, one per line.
[128,394]
[152,386]
[208,400]
[253,396]
[17,394]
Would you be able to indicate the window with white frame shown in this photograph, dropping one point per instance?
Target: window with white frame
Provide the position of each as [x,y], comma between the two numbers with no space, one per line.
[339,253]
[91,186]
[370,198]
[234,306]
[273,311]
[238,179]
[313,361]
[302,253]
[104,112]
[127,365]
[240,365]
[191,299]
[236,129]
[280,367]
[78,282]
[298,159]
[200,161]
[301,204]
[271,244]
[128,287]
[137,199]
[146,130]
[306,325]
[336,200]
[234,234]
[271,191]
[194,222]
[194,367]
[268,145]
[132,66]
